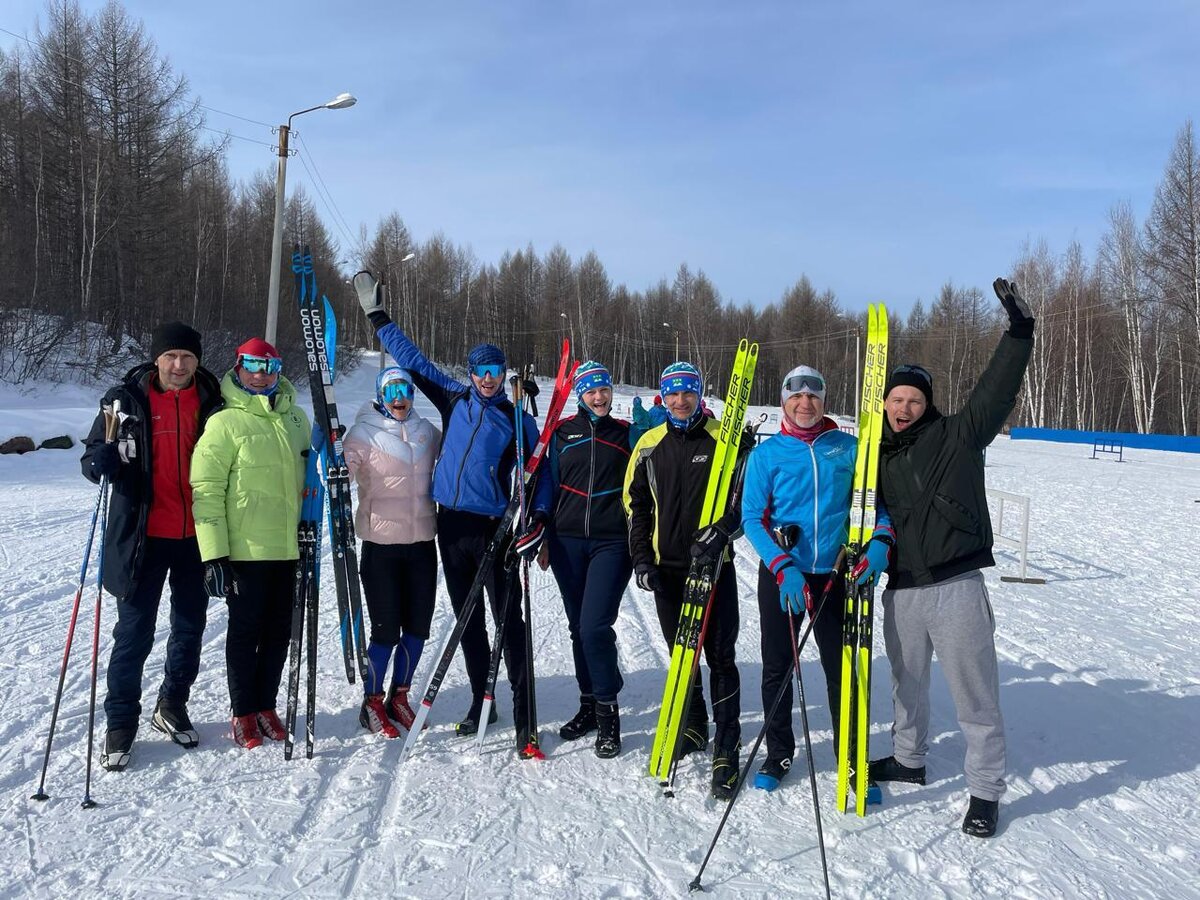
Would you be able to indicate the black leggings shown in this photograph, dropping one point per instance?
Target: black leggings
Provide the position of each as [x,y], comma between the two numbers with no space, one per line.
[400,584]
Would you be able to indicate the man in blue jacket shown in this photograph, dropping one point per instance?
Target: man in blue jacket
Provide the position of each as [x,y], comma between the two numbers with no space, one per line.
[796,514]
[471,485]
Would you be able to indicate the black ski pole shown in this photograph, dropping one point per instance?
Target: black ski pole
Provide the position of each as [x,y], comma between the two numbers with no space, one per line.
[695,884]
[812,771]
[88,802]
[62,672]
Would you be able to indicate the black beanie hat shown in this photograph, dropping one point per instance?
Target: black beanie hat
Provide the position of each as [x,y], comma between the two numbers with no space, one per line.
[912,376]
[174,336]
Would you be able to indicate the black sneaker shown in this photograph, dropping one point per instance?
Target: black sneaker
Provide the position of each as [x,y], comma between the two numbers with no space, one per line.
[887,769]
[608,737]
[772,772]
[584,722]
[470,725]
[118,744]
[724,773]
[980,820]
[172,720]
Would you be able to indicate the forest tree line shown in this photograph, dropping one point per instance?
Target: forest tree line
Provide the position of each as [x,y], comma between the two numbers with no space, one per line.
[117,209]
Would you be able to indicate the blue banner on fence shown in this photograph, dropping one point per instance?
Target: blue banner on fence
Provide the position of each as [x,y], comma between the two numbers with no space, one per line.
[1128,439]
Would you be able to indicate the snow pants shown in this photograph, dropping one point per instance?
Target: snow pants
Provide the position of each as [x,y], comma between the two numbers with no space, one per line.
[777,655]
[954,620]
[720,646]
[462,538]
[137,619]
[400,585]
[260,626]
[592,576]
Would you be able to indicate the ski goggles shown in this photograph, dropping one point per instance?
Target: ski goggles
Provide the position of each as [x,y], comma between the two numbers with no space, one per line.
[396,390]
[269,365]
[807,384]
[496,370]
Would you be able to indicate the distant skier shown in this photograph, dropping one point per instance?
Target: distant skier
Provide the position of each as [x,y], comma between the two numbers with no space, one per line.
[390,451]
[931,477]
[151,533]
[578,509]
[247,481]
[796,513]
[664,492]
[471,485]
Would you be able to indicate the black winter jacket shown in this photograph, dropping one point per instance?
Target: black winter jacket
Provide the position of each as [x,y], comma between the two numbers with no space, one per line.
[665,486]
[125,539]
[931,477]
[583,475]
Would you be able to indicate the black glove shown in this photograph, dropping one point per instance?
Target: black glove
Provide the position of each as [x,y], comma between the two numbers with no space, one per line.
[1019,316]
[106,461]
[647,577]
[218,579]
[530,540]
[710,542]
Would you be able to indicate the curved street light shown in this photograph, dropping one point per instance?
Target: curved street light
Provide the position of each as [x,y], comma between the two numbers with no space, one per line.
[676,330]
[382,352]
[341,101]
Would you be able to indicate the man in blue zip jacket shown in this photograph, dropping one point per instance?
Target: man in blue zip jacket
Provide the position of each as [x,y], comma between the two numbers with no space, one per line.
[471,486]
[796,514]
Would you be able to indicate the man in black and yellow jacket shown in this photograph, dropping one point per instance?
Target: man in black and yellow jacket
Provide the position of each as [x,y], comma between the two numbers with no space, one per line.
[664,491]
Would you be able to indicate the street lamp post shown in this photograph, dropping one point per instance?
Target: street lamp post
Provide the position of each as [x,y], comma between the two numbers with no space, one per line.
[676,330]
[570,327]
[382,352]
[341,101]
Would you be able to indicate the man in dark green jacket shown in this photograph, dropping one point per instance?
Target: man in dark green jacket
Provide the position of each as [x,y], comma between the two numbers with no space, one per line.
[931,479]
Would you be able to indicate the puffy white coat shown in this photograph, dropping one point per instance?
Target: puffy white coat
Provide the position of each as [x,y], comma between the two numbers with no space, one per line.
[393,465]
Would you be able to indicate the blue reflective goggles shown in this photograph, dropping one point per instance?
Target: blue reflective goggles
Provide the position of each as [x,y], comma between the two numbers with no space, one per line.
[271,365]
[396,390]
[495,370]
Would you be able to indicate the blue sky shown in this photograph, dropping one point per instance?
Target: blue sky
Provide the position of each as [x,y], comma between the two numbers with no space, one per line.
[879,148]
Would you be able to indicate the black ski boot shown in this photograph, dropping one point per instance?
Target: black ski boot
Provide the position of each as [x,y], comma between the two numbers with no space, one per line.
[118,744]
[695,730]
[584,722]
[887,769]
[980,820]
[725,771]
[470,725]
[172,720]
[608,737]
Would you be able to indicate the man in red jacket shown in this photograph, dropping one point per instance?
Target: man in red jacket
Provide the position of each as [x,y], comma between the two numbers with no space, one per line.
[151,534]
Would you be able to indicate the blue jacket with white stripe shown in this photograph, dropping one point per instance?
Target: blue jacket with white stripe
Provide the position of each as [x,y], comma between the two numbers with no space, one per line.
[791,482]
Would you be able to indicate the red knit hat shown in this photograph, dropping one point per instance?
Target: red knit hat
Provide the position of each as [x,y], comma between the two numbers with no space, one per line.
[257,347]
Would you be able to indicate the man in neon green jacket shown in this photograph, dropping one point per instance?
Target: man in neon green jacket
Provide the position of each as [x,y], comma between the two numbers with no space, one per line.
[247,479]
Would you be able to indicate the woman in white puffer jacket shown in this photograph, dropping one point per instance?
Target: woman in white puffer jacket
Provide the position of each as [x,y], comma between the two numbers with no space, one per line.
[391,451]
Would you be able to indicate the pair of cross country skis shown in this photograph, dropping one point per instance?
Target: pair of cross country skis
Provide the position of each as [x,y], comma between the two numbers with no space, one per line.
[859,607]
[327,475]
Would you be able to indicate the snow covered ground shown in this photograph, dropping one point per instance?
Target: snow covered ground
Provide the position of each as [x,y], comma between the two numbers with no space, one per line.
[1100,670]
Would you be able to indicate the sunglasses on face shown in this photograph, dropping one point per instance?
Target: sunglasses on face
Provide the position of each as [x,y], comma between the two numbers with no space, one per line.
[806,383]
[396,390]
[269,365]
[920,371]
[496,371]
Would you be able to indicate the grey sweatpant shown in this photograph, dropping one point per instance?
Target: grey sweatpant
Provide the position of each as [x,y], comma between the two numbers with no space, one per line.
[953,619]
